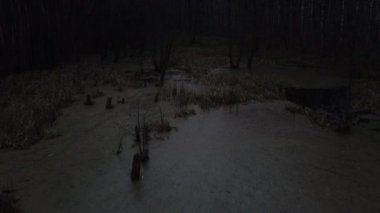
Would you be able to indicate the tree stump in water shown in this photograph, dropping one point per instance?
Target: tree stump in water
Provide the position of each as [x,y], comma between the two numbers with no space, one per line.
[156,98]
[174,92]
[136,168]
[88,101]
[121,100]
[109,103]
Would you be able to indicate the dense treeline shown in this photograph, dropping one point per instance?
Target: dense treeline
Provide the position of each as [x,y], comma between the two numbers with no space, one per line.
[42,33]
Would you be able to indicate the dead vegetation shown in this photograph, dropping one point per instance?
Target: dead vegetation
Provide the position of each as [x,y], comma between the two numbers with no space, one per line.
[163,125]
[30,103]
[97,94]
[227,90]
[200,59]
[184,113]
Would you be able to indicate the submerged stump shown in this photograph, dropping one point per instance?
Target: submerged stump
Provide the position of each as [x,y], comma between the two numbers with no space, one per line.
[109,103]
[174,91]
[121,101]
[137,134]
[136,168]
[88,101]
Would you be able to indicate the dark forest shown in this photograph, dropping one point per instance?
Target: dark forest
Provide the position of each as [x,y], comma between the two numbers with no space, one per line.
[42,34]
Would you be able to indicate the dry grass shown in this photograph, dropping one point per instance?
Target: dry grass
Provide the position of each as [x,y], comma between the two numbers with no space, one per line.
[230,89]
[30,103]
[163,125]
[199,60]
[184,113]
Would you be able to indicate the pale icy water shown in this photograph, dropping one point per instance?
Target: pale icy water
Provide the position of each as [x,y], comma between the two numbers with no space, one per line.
[262,159]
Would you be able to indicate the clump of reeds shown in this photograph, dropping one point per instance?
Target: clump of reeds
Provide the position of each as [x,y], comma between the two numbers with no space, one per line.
[163,125]
[97,94]
[109,104]
[184,113]
[136,167]
[88,101]
[230,90]
[30,103]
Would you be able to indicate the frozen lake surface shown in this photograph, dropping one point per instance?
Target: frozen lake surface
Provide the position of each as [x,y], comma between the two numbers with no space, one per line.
[261,159]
